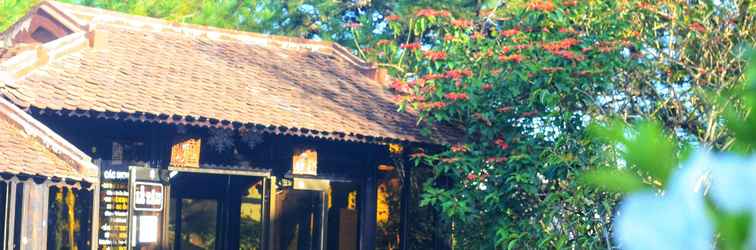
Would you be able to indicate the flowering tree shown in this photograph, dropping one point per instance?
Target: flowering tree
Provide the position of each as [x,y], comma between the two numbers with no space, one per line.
[522,80]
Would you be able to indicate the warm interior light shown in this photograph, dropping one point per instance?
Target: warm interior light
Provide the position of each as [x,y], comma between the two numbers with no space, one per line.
[305,162]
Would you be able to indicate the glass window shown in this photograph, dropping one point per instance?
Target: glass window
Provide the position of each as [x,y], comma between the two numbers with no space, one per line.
[198,224]
[68,218]
[388,208]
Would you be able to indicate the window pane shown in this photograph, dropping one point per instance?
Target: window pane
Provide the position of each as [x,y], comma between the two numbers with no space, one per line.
[198,224]
[388,209]
[68,219]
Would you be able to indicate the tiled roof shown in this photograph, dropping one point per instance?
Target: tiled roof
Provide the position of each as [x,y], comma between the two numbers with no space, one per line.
[29,148]
[145,67]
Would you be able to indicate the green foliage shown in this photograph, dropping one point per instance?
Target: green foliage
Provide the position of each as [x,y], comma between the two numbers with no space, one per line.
[634,145]
[12,10]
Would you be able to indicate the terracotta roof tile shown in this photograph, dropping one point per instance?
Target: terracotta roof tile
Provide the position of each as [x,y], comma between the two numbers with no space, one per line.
[27,148]
[241,77]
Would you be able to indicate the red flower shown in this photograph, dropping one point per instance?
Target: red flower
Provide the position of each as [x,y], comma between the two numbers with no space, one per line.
[459,148]
[471,177]
[418,154]
[516,58]
[383,42]
[561,45]
[435,55]
[457,74]
[462,23]
[502,144]
[456,96]
[392,18]
[583,73]
[644,5]
[438,105]
[698,27]
[538,5]
[400,86]
[496,159]
[509,32]
[572,3]
[431,13]
[569,55]
[449,37]
[410,46]
[505,109]
[487,87]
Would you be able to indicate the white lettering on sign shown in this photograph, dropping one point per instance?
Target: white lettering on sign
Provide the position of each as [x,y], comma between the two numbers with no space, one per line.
[115,175]
[148,196]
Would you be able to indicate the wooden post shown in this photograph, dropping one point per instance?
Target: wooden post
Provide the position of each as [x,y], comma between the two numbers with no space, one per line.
[367,237]
[405,203]
[95,215]
[34,226]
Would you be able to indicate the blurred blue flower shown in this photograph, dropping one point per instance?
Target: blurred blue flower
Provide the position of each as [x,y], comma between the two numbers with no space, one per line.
[676,218]
[733,181]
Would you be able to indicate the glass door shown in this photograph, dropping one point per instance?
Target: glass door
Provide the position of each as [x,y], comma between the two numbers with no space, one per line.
[199,220]
[301,218]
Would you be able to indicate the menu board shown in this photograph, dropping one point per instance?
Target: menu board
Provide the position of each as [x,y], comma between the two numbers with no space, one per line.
[114,207]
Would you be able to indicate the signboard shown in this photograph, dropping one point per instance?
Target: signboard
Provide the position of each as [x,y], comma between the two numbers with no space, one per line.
[146,213]
[148,196]
[186,153]
[114,207]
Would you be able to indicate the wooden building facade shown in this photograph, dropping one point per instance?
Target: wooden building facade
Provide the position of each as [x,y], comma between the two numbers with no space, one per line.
[46,186]
[207,138]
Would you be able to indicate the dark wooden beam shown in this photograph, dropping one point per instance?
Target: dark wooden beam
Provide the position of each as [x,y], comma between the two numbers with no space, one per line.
[369,190]
[405,202]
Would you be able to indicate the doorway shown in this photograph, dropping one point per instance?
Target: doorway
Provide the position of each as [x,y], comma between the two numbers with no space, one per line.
[301,219]
[216,211]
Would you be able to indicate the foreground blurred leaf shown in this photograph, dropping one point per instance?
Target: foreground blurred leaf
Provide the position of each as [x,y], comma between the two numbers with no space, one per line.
[613,180]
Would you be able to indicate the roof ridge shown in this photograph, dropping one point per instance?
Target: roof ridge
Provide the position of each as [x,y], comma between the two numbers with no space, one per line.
[20,65]
[51,140]
[157,24]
